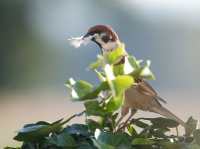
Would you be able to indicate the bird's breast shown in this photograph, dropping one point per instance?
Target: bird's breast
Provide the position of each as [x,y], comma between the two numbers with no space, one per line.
[136,100]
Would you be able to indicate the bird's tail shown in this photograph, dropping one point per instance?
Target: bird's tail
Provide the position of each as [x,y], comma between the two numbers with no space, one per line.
[165,112]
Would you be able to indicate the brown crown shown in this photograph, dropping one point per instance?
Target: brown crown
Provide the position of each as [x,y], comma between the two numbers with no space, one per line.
[103,29]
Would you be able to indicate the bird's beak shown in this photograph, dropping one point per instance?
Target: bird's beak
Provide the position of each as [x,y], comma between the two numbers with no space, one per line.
[78,41]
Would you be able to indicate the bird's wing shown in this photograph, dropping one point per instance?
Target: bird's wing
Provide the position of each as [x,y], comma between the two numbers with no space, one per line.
[161,99]
[145,88]
[165,112]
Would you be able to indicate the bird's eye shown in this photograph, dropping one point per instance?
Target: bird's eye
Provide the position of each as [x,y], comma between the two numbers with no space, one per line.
[105,38]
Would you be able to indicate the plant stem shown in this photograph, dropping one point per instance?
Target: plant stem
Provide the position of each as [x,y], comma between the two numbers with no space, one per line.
[73,116]
[177,133]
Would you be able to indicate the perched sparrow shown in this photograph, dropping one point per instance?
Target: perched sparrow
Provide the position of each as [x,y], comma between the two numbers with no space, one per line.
[138,97]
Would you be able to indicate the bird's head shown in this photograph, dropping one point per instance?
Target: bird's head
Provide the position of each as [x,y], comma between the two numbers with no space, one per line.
[104,36]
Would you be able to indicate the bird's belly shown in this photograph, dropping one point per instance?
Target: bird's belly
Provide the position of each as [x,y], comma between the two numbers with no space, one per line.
[136,100]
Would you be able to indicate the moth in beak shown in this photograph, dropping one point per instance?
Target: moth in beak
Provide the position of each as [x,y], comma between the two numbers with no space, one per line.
[78,41]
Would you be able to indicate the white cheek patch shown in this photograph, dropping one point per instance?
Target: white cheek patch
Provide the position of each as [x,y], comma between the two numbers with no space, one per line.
[78,41]
[109,46]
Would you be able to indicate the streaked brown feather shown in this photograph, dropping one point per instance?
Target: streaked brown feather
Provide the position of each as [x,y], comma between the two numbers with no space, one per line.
[145,88]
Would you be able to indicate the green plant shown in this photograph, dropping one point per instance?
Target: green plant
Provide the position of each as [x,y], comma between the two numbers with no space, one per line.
[102,104]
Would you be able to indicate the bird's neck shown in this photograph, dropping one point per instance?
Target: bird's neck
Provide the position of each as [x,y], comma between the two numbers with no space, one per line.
[110,46]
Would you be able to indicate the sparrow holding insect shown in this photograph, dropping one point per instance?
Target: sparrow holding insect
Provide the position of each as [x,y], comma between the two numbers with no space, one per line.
[140,96]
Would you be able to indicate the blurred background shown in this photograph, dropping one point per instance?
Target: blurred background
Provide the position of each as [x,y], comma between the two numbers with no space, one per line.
[35,58]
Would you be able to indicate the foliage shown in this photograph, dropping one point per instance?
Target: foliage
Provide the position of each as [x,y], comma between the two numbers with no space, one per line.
[102,104]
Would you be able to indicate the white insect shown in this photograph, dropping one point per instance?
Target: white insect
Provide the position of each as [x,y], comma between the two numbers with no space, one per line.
[78,41]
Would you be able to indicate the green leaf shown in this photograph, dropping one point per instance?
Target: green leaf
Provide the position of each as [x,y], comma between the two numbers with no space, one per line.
[114,103]
[132,131]
[115,55]
[161,122]
[99,62]
[109,77]
[121,83]
[191,125]
[29,145]
[78,129]
[95,92]
[79,88]
[62,140]
[100,75]
[159,133]
[141,71]
[142,141]
[119,69]
[140,124]
[37,131]
[107,140]
[93,108]
[93,125]
[134,62]
[85,94]
[146,73]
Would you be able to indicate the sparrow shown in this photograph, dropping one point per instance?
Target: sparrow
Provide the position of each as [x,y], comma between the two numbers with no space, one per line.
[140,96]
